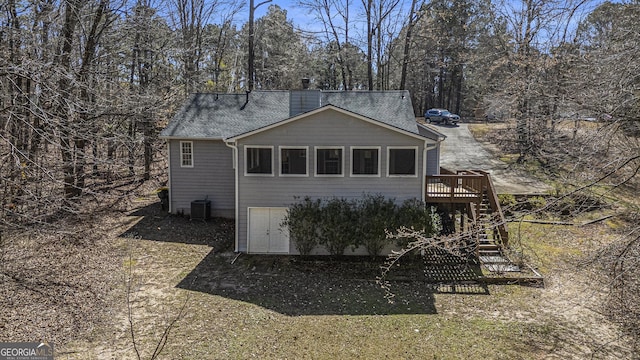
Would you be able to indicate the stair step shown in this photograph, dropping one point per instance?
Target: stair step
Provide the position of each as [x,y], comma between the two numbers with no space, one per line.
[488,247]
[488,259]
[489,255]
[489,252]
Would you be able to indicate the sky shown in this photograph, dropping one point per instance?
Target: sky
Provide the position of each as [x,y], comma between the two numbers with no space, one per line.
[304,20]
[300,17]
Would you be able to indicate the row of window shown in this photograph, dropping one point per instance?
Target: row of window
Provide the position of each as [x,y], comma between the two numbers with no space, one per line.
[329,161]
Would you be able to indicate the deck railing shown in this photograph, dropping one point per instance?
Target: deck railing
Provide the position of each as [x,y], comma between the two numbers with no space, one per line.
[461,187]
[497,210]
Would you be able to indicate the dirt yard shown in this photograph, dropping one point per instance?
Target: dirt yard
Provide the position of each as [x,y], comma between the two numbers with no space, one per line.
[286,307]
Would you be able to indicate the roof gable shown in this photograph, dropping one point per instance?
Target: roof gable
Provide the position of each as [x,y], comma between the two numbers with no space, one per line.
[325,109]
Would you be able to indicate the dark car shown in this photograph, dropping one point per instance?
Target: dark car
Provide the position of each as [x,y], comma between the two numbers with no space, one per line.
[441,116]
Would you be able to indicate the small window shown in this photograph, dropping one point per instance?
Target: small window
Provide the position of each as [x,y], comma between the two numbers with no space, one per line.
[365,161]
[329,161]
[293,161]
[259,160]
[186,153]
[402,161]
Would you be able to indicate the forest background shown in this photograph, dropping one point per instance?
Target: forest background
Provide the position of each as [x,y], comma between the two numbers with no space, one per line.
[85,86]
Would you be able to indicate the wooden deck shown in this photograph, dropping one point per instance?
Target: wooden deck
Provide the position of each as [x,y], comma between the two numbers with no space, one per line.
[466,187]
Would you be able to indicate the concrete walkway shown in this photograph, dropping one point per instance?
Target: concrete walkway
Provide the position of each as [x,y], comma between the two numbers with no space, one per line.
[461,151]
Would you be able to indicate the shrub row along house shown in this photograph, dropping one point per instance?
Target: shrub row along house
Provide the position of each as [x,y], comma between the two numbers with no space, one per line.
[251,155]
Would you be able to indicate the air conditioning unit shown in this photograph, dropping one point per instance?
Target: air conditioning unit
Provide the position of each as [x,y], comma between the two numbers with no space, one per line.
[200,209]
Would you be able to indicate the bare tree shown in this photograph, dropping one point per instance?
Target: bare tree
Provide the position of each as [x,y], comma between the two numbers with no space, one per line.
[335,18]
[192,16]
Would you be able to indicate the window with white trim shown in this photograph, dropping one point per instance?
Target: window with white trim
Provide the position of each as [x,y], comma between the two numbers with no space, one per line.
[186,153]
[365,161]
[294,161]
[259,160]
[329,161]
[402,161]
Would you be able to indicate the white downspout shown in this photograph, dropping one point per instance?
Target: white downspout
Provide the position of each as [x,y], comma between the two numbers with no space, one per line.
[234,147]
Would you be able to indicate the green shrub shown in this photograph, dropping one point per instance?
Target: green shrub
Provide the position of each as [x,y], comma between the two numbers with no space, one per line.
[507,200]
[537,202]
[338,226]
[339,223]
[303,220]
[375,215]
[413,214]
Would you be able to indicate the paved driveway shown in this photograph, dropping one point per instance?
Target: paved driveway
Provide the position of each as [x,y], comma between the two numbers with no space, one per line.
[461,151]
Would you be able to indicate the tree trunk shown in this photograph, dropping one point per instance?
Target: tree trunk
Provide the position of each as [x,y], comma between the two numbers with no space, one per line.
[64,90]
[407,46]
[368,10]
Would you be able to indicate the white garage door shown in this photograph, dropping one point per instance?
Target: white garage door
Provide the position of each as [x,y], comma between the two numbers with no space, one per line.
[266,236]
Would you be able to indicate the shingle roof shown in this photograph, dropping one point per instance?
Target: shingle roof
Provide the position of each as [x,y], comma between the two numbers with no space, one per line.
[391,107]
[221,116]
[215,116]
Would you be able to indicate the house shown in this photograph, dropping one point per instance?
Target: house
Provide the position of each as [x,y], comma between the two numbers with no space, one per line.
[252,154]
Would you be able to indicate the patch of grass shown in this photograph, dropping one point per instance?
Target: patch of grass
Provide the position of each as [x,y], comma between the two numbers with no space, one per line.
[533,167]
[272,336]
[615,224]
[479,131]
[509,158]
[542,244]
[129,263]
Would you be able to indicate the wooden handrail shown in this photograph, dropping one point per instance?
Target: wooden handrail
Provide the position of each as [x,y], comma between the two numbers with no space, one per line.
[495,206]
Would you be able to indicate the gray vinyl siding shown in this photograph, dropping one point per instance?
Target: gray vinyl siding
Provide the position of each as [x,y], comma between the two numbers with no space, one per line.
[433,161]
[212,177]
[329,128]
[433,156]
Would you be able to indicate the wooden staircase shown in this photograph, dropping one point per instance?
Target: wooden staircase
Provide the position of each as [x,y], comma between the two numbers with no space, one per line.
[488,240]
[491,244]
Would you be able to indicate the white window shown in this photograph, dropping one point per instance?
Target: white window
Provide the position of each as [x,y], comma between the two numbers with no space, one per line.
[259,160]
[294,161]
[329,161]
[365,161]
[402,161]
[186,153]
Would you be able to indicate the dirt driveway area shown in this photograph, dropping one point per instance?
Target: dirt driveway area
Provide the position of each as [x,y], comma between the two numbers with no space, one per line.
[461,151]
